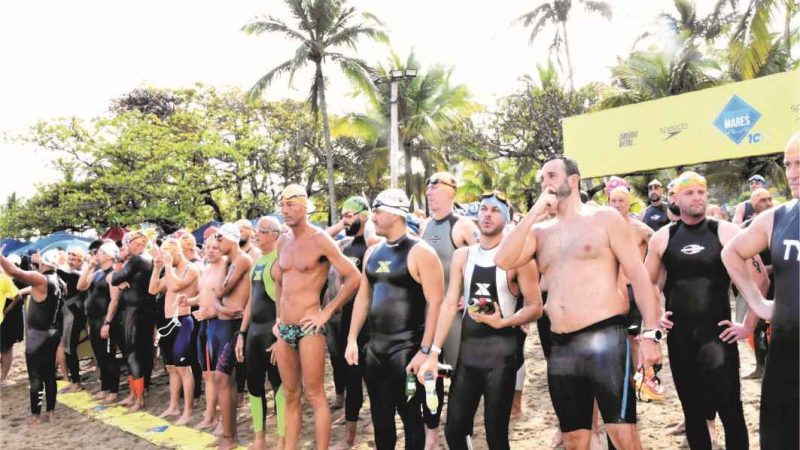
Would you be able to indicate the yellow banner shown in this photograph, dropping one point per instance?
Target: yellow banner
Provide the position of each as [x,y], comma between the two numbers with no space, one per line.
[736,120]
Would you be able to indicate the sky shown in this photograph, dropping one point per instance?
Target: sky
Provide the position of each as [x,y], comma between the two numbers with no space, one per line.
[72,58]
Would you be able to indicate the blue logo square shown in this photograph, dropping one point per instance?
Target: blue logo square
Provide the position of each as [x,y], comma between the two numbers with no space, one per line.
[737,119]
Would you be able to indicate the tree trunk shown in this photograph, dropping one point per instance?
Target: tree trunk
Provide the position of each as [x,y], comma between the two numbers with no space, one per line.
[326,132]
[569,59]
[787,41]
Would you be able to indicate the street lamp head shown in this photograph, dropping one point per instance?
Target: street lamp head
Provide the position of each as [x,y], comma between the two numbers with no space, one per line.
[397,74]
[411,73]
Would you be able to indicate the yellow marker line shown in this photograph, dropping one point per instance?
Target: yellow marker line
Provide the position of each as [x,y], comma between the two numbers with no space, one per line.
[141,424]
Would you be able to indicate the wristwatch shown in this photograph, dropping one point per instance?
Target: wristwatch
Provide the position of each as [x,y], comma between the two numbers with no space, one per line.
[655,335]
[425,349]
[105,322]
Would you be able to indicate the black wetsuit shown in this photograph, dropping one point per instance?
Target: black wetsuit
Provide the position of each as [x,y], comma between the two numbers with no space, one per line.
[350,376]
[656,217]
[705,369]
[260,337]
[136,314]
[779,390]
[396,324]
[97,301]
[41,341]
[488,358]
[543,326]
[74,321]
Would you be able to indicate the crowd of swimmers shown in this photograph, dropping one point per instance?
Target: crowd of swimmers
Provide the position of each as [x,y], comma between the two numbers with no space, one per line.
[399,304]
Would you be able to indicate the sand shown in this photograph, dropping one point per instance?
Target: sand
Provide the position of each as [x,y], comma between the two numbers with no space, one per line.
[534,430]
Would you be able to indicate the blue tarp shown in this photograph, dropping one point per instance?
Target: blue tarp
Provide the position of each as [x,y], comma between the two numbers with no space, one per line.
[57,239]
[9,245]
[198,233]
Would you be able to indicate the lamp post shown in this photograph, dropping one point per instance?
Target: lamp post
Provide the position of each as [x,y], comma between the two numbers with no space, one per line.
[394,78]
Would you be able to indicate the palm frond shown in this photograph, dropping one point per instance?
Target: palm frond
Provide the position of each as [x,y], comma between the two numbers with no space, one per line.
[272,25]
[602,8]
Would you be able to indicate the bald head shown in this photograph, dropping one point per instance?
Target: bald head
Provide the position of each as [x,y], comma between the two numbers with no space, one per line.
[791,162]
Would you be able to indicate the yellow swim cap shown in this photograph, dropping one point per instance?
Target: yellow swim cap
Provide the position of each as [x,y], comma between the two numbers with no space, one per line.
[296,194]
[688,179]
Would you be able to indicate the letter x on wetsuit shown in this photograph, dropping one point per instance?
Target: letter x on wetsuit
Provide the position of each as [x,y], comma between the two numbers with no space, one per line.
[396,324]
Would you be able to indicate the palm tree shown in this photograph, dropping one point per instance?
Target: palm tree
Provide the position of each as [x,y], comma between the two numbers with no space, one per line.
[556,12]
[322,26]
[756,51]
[428,107]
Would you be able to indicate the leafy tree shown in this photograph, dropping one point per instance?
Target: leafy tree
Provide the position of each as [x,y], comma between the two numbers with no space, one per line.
[322,27]
[429,107]
[556,13]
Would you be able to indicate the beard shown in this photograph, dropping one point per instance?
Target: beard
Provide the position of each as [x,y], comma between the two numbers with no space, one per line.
[563,191]
[654,197]
[675,209]
[353,229]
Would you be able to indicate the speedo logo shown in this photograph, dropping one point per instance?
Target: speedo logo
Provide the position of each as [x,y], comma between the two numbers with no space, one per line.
[692,249]
[673,130]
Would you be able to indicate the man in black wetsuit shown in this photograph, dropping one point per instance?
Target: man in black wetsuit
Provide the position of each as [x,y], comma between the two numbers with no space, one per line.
[655,215]
[400,277]
[94,281]
[43,330]
[745,210]
[355,213]
[778,230]
[74,316]
[696,289]
[135,314]
[491,342]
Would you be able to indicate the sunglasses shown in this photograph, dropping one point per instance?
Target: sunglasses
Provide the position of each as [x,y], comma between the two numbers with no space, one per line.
[500,196]
[218,236]
[435,181]
[756,182]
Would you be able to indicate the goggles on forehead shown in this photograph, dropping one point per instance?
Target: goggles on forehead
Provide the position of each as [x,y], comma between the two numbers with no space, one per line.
[378,203]
[497,194]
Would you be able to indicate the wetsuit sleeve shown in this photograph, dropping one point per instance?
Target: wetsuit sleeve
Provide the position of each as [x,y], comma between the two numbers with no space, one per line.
[126,273]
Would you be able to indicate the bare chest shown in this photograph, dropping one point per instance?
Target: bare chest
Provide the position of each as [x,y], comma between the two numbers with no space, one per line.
[562,243]
[301,256]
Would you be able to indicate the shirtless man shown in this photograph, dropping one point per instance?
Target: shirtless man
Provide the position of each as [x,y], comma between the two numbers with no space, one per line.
[175,339]
[211,277]
[304,257]
[586,244]
[234,292]
[620,199]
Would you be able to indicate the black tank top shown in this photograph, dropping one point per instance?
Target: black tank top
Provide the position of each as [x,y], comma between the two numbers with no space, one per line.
[46,315]
[73,295]
[136,272]
[98,296]
[481,345]
[656,217]
[785,248]
[397,311]
[354,251]
[697,283]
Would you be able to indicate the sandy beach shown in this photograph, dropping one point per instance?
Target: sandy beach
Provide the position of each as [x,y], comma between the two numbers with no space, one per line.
[73,430]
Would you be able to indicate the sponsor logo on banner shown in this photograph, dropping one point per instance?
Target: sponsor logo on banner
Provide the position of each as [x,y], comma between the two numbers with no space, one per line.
[737,119]
[626,138]
[673,130]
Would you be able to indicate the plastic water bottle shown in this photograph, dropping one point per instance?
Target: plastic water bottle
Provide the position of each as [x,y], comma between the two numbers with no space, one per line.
[431,399]
[411,386]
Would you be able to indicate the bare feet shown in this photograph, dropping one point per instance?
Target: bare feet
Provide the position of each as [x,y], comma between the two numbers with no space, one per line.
[99,395]
[73,387]
[183,420]
[677,429]
[349,437]
[169,412]
[218,429]
[110,398]
[259,443]
[431,438]
[228,443]
[136,407]
[204,424]
[557,439]
[342,419]
[50,416]
[128,401]
[34,420]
